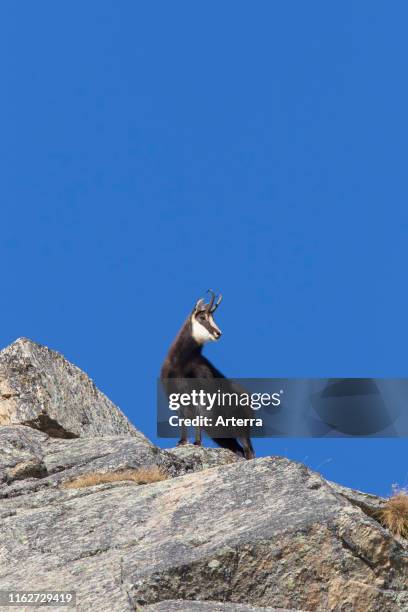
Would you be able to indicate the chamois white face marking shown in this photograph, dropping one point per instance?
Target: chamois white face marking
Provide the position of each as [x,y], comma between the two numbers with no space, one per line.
[204,328]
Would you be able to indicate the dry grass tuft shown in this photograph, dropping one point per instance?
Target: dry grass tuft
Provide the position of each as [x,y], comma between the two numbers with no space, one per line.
[140,476]
[394,514]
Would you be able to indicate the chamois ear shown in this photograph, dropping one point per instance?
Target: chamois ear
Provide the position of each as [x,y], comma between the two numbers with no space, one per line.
[199,305]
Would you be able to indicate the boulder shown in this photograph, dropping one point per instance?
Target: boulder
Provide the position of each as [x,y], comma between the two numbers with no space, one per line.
[218,533]
[41,389]
[31,460]
[267,533]
[205,606]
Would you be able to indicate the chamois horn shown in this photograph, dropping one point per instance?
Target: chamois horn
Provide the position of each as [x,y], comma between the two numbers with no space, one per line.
[211,306]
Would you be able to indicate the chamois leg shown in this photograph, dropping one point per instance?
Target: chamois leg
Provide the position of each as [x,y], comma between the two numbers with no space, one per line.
[197,439]
[184,436]
[248,449]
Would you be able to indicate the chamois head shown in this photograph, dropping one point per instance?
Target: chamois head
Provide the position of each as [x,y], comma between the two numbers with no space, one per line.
[203,326]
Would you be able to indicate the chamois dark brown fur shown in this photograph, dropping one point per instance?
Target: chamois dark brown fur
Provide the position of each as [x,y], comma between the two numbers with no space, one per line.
[185,360]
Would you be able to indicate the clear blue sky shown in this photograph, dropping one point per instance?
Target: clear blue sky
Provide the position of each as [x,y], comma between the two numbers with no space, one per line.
[151,150]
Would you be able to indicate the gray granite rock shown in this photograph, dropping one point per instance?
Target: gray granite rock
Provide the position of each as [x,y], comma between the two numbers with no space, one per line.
[30,460]
[40,388]
[201,458]
[371,504]
[219,534]
[268,533]
[205,606]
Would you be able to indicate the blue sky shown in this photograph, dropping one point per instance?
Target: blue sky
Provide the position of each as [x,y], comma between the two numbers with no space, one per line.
[152,150]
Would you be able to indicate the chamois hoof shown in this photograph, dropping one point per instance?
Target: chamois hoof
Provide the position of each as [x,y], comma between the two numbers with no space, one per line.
[198,443]
[182,442]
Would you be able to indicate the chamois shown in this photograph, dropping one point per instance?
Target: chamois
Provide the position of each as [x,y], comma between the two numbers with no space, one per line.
[185,361]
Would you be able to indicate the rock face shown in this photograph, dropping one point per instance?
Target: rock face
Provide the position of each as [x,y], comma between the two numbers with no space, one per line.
[267,533]
[31,460]
[203,606]
[219,534]
[39,388]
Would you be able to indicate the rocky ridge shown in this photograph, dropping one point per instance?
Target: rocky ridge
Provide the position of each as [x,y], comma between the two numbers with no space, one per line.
[219,534]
